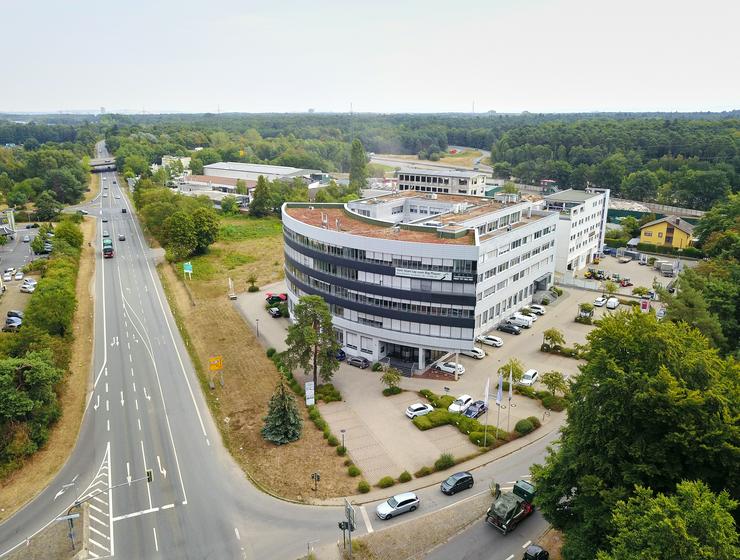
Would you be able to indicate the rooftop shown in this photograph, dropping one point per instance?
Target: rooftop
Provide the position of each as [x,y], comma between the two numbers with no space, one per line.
[440,172]
[675,221]
[352,224]
[452,198]
[258,168]
[215,180]
[571,196]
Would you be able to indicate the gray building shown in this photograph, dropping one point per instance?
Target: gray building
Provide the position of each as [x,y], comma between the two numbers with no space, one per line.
[443,181]
[252,172]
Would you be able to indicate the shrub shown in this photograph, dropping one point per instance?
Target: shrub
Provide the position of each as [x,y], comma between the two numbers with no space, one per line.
[422,422]
[427,394]
[270,352]
[332,441]
[555,403]
[313,413]
[439,418]
[341,450]
[253,289]
[557,291]
[328,393]
[377,366]
[363,487]
[525,391]
[353,471]
[389,391]
[535,421]
[423,471]
[478,437]
[584,320]
[321,424]
[523,427]
[545,301]
[445,461]
[467,425]
[405,476]
[348,462]
[386,482]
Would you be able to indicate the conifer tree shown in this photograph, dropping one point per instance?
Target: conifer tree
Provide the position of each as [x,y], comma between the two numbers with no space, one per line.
[283,422]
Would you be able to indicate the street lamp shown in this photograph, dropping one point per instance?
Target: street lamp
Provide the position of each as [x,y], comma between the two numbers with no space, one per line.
[342,431]
[258,327]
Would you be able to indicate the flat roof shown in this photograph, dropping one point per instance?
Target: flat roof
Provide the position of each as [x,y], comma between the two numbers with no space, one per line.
[258,168]
[355,226]
[440,172]
[216,180]
[571,195]
[423,196]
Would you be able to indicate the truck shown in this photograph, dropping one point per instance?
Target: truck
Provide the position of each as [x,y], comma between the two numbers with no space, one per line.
[510,508]
[108,249]
[668,269]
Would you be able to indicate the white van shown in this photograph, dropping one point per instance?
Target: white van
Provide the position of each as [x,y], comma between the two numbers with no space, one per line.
[526,318]
[532,316]
[519,322]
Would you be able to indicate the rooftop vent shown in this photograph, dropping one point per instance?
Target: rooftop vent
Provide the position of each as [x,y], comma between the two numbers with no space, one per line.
[431,196]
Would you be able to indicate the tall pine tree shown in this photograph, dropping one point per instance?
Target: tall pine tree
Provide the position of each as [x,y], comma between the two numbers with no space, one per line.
[283,422]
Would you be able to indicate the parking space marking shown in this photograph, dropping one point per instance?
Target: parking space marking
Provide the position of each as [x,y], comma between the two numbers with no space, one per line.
[366,519]
[526,544]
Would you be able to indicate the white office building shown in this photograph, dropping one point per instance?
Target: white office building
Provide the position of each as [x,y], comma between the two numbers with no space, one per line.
[443,181]
[252,172]
[411,276]
[581,227]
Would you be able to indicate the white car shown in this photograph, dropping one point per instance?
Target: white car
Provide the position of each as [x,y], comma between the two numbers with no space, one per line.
[537,308]
[451,367]
[28,288]
[529,377]
[476,353]
[7,277]
[118,196]
[600,301]
[490,340]
[18,275]
[105,195]
[612,303]
[460,404]
[400,503]
[30,281]
[418,409]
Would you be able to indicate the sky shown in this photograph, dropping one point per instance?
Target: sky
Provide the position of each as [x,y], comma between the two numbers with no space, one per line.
[380,56]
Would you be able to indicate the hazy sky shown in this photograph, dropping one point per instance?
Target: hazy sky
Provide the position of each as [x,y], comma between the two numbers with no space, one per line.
[381,56]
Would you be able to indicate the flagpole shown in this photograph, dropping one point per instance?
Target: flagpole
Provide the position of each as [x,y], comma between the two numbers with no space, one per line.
[499,396]
[508,419]
[485,426]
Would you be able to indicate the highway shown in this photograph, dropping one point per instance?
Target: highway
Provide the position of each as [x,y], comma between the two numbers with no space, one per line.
[145,411]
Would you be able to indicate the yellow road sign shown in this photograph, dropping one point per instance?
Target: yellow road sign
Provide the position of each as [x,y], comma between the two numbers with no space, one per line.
[215,363]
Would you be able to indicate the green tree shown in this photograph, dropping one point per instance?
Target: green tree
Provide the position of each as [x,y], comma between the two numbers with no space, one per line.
[391,377]
[69,232]
[510,188]
[196,166]
[358,166]
[229,205]
[610,288]
[260,205]
[515,366]
[136,164]
[553,337]
[47,207]
[690,307]
[501,170]
[555,382]
[640,185]
[179,235]
[241,186]
[692,524]
[653,405]
[205,224]
[312,344]
[37,244]
[721,217]
[640,291]
[283,423]
[52,306]
[630,227]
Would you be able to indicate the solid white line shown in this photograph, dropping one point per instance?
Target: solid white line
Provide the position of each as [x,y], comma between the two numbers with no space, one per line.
[526,544]
[168,506]
[94,530]
[366,519]
[91,516]
[139,422]
[99,545]
[156,545]
[237,534]
[136,514]
[105,332]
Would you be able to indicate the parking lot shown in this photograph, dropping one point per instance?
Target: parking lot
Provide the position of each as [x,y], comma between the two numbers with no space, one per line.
[16,254]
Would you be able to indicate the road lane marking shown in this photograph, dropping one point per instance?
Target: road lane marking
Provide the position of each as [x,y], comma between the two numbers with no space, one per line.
[99,545]
[510,557]
[121,398]
[108,421]
[94,530]
[132,372]
[168,506]
[138,421]
[96,508]
[107,405]
[238,537]
[526,544]
[97,404]
[156,545]
[366,519]
[136,402]
[161,470]
[106,386]
[129,358]
[91,516]
[136,514]
[134,384]
[148,397]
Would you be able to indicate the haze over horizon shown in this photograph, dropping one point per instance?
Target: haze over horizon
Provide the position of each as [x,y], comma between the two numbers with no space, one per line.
[556,56]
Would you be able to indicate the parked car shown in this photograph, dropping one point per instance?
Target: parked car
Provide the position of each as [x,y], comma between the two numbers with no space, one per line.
[535,552]
[359,361]
[509,328]
[530,316]
[18,275]
[14,313]
[478,408]
[13,321]
[660,313]
[451,367]
[396,505]
[529,377]
[418,409]
[11,328]
[29,280]
[7,277]
[275,298]
[520,321]
[28,288]
[476,353]
[490,340]
[26,239]
[274,312]
[121,237]
[81,212]
[460,404]
[612,303]
[600,301]
[341,355]
[455,483]
[11,270]
[537,308]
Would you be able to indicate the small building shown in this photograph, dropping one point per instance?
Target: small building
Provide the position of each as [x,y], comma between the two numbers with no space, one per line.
[215,188]
[670,231]
[443,181]
[253,171]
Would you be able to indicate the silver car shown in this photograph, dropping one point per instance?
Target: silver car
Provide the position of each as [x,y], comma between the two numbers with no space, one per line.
[398,504]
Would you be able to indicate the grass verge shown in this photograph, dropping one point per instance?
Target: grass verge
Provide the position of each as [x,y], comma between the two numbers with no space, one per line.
[93,189]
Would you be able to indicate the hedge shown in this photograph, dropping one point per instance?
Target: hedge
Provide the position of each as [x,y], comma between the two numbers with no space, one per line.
[423,423]
[445,461]
[553,402]
[423,471]
[390,391]
[690,252]
[523,427]
[328,393]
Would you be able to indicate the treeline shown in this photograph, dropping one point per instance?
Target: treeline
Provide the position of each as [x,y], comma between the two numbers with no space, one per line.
[33,133]
[34,360]
[183,225]
[691,163]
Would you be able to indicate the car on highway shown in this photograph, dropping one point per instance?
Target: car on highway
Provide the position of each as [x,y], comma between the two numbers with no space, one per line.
[123,211]
[396,505]
[460,404]
[121,237]
[600,301]
[358,361]
[535,552]
[82,212]
[451,367]
[106,234]
[105,195]
[490,340]
[529,378]
[612,303]
[117,196]
[105,220]
[18,275]
[26,239]
[537,308]
[509,328]
[28,288]
[274,312]
[456,483]
[476,353]
[478,408]
[418,409]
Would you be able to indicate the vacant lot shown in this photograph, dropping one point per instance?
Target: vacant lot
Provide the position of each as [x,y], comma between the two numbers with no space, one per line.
[465,158]
[247,247]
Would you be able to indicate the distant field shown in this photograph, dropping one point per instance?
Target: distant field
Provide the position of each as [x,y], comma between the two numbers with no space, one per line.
[466,158]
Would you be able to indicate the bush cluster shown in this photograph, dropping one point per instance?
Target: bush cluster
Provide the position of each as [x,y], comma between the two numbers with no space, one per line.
[445,461]
[405,476]
[353,471]
[523,427]
[253,288]
[691,252]
[386,482]
[377,366]
[389,391]
[332,440]
[328,393]
[565,351]
[553,402]
[423,471]
[270,352]
[584,320]
[341,450]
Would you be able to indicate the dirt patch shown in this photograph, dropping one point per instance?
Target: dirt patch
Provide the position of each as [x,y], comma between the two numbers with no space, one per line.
[214,327]
[552,541]
[51,543]
[40,469]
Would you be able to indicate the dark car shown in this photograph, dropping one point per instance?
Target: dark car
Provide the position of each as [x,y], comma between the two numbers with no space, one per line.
[123,211]
[455,483]
[509,328]
[121,237]
[358,361]
[274,312]
[341,356]
[535,552]
[14,313]
[476,409]
[105,220]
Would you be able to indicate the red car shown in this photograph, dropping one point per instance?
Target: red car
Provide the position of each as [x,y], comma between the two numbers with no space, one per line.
[272,299]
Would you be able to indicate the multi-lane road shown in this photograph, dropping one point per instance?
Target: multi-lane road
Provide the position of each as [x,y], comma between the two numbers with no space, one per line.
[146,411]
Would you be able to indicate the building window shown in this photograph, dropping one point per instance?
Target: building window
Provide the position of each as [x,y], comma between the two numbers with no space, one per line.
[648,234]
[660,234]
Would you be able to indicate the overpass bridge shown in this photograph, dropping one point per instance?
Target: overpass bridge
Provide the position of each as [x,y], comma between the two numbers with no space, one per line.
[99,165]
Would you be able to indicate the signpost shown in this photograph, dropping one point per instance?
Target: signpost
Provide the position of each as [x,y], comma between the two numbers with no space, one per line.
[187,269]
[309,388]
[349,513]
[216,363]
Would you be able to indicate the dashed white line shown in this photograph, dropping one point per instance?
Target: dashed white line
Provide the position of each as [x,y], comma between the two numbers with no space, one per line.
[526,544]
[107,405]
[129,358]
[156,545]
[136,402]
[238,537]
[134,384]
[510,557]
[106,386]
[108,421]
[139,423]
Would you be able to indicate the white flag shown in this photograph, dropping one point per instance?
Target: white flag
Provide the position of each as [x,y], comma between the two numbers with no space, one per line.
[511,383]
[487,391]
[500,394]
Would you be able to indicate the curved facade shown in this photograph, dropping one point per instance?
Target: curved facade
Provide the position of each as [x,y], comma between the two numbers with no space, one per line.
[409,294]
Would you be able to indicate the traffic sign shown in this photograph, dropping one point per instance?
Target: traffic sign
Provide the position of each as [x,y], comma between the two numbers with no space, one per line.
[67,517]
[187,267]
[309,388]
[215,363]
